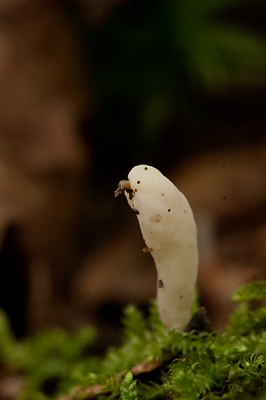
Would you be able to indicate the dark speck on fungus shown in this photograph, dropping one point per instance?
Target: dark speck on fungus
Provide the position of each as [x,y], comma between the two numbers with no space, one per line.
[145,168]
[138,182]
[169,209]
[160,283]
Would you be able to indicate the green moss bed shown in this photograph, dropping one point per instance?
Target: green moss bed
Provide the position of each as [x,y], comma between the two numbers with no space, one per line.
[152,363]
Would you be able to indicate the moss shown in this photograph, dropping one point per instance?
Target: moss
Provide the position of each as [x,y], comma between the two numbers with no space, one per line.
[188,365]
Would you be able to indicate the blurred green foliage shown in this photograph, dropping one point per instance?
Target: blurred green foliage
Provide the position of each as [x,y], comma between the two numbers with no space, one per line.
[154,58]
[47,359]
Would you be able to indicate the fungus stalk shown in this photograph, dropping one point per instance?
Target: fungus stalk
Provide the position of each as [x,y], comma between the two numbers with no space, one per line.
[169,231]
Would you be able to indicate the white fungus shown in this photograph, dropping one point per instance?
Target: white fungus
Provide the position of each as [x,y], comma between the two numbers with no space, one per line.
[169,231]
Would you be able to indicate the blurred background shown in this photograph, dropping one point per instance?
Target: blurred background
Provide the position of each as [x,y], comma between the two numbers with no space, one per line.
[90,88]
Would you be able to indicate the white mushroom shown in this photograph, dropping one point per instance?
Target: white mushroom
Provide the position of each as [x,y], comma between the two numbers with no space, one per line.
[169,231]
